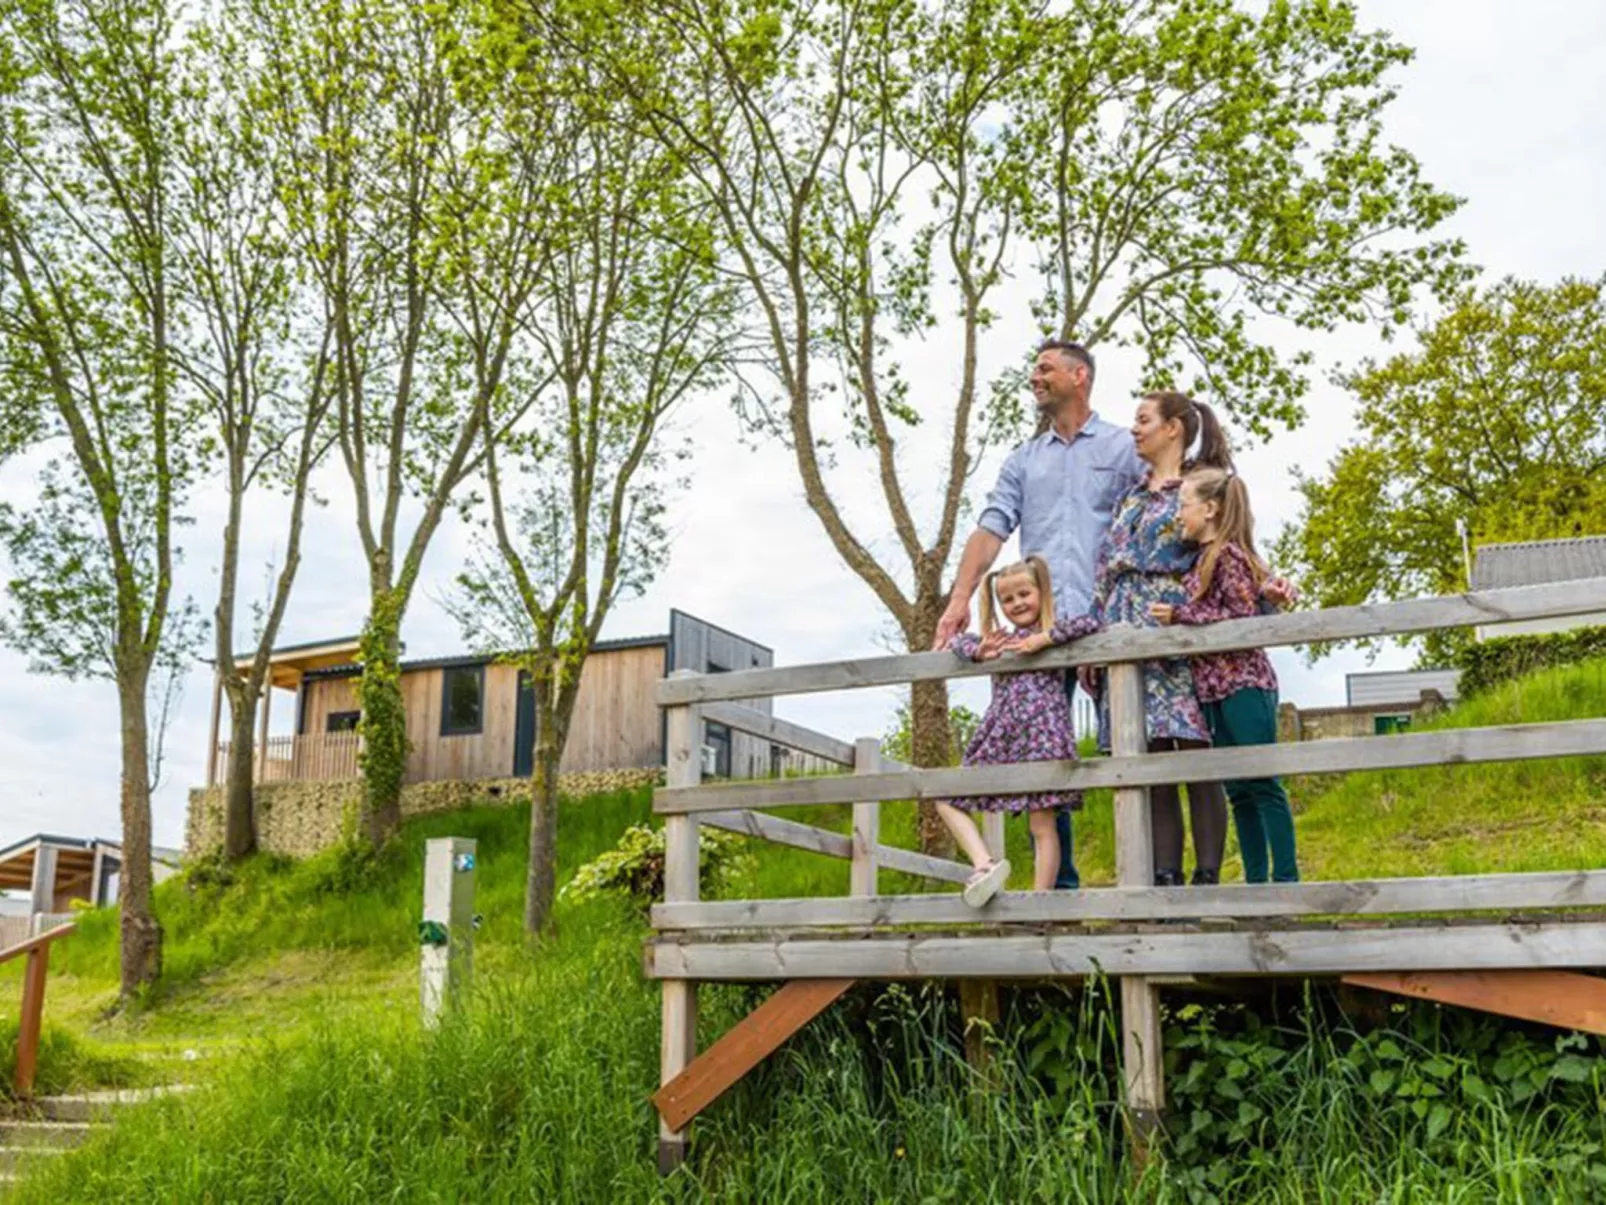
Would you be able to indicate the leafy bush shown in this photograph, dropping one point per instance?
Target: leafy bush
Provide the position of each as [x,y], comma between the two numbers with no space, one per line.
[635,866]
[1504,658]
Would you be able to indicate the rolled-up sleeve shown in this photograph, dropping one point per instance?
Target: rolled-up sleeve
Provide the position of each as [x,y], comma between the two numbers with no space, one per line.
[1001,515]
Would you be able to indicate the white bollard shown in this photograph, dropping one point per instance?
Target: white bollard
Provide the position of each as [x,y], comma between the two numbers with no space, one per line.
[446,936]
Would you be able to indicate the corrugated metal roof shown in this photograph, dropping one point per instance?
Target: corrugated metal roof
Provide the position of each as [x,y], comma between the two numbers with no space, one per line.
[1534,562]
[1395,687]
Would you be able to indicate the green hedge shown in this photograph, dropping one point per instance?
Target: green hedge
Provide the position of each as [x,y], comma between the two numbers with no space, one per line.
[1492,662]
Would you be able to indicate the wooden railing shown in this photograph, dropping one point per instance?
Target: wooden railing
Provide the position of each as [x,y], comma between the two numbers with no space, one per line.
[37,951]
[311,758]
[782,939]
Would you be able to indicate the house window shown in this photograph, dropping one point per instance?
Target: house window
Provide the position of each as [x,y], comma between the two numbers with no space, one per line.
[342,721]
[718,738]
[462,700]
[1384,724]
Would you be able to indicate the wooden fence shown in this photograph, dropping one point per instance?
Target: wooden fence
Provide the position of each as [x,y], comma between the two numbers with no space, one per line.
[311,758]
[830,941]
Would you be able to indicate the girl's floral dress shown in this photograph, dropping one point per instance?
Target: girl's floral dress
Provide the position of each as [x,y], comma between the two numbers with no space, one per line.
[1144,560]
[1029,719]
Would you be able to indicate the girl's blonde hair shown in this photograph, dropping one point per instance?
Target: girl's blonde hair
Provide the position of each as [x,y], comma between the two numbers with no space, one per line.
[1034,567]
[1235,522]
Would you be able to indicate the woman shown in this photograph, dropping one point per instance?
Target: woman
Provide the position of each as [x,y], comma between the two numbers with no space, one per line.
[1143,562]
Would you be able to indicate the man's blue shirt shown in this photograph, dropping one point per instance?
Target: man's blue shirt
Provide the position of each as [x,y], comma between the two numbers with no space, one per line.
[1061,494]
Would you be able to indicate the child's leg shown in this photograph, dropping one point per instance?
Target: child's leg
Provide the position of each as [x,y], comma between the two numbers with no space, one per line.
[966,834]
[1045,850]
[1251,833]
[1249,717]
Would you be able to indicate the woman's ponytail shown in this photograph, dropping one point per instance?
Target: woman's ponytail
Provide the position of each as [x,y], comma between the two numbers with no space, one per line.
[1214,451]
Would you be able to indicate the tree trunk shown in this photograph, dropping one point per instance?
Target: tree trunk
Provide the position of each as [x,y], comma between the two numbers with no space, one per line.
[141,931]
[239,802]
[384,722]
[930,733]
[542,876]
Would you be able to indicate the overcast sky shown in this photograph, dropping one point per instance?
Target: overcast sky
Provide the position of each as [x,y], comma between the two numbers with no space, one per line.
[1503,106]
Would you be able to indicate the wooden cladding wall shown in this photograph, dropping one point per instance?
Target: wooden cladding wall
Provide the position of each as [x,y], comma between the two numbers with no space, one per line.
[615,726]
[705,648]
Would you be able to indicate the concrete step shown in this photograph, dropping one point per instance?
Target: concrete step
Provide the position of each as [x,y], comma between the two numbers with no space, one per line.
[99,1106]
[36,1134]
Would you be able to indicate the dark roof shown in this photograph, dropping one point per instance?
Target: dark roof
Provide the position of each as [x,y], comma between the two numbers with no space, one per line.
[471,659]
[1535,562]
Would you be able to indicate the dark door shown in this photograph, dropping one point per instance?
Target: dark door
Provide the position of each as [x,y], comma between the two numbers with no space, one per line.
[524,729]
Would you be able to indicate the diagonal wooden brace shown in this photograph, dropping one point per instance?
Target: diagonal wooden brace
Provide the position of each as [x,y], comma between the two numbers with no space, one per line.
[747,1044]
[1565,999]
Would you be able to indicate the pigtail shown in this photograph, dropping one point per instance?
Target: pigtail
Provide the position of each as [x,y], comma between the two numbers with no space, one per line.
[989,606]
[1045,593]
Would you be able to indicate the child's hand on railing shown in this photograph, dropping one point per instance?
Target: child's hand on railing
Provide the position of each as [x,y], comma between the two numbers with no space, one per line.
[1279,592]
[1035,643]
[1162,613]
[992,644]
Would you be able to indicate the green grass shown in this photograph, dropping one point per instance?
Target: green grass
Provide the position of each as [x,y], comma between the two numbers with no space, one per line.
[301,981]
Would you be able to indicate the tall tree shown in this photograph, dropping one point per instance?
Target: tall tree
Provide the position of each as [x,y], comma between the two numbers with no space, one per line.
[629,318]
[261,369]
[1495,422]
[88,314]
[373,129]
[1178,171]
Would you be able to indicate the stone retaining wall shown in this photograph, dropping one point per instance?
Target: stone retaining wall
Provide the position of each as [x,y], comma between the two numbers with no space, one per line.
[300,818]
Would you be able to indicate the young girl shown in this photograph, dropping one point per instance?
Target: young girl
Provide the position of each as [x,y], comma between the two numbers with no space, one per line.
[1237,690]
[1028,720]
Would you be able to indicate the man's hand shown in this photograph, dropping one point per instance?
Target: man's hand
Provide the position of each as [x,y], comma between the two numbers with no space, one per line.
[1279,592]
[1162,613]
[954,621]
[994,643]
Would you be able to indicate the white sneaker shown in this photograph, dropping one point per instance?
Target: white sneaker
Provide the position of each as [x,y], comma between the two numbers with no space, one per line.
[985,884]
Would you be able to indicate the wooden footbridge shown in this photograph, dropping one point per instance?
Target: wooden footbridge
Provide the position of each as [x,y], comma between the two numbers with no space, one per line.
[1509,943]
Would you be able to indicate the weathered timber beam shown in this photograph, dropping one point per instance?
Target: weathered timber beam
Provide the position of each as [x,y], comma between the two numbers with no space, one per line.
[832,845]
[1375,897]
[1550,601]
[1561,998]
[781,732]
[1516,742]
[1556,944]
[907,860]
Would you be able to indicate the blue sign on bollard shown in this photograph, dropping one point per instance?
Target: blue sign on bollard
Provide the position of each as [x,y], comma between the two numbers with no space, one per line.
[465,862]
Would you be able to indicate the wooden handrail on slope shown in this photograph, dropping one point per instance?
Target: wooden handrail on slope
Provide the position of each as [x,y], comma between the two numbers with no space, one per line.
[33,1001]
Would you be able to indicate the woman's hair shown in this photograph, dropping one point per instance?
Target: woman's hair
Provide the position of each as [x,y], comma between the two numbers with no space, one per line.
[1034,567]
[1235,523]
[1198,422]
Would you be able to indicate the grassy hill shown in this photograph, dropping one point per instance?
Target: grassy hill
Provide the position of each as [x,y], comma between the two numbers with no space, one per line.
[299,984]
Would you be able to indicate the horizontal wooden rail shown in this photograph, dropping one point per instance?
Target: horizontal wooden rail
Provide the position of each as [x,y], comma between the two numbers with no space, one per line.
[31,1019]
[832,845]
[1555,600]
[780,732]
[1515,742]
[1376,897]
[1311,951]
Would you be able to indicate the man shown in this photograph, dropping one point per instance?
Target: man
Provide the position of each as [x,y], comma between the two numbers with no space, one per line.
[1060,489]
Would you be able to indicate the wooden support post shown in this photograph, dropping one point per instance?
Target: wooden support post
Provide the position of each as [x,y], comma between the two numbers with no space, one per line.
[678,1040]
[262,733]
[31,1020]
[42,893]
[978,998]
[446,950]
[992,832]
[1134,866]
[217,717]
[866,821]
[792,1006]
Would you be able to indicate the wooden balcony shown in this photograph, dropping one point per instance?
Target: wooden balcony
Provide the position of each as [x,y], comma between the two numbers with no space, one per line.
[316,757]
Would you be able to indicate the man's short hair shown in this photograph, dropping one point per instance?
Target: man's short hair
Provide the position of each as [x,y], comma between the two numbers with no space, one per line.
[1074,350]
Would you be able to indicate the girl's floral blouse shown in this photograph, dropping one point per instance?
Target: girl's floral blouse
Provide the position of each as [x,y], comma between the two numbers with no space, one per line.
[1233,594]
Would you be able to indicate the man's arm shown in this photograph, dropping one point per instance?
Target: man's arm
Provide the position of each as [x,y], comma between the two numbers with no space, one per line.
[981,550]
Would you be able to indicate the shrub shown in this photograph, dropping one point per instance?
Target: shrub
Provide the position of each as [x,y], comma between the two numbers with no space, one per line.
[1504,658]
[635,866]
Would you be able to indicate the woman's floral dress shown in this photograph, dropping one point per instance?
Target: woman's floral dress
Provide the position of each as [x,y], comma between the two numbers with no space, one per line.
[1029,719]
[1143,560]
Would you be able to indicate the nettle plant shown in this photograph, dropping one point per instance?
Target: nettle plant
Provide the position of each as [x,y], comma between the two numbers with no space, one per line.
[635,866]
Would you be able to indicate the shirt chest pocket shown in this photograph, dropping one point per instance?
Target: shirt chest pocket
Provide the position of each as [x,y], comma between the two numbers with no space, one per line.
[1104,487]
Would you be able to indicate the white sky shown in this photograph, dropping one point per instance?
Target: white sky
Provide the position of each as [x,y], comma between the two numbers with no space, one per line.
[1503,106]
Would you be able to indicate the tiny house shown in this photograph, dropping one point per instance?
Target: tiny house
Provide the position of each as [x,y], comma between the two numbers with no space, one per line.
[471,717]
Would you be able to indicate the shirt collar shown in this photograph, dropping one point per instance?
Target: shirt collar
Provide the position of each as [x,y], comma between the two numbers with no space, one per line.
[1094,426]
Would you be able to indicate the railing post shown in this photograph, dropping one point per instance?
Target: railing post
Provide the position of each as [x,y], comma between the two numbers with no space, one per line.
[446,937]
[32,1018]
[678,1043]
[866,822]
[1134,867]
